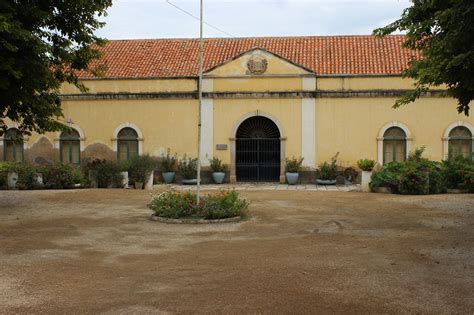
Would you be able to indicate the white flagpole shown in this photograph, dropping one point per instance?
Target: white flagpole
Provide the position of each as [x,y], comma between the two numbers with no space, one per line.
[201,62]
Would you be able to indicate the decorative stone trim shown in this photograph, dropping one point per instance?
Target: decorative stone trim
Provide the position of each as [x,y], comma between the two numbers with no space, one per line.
[82,138]
[194,221]
[134,127]
[445,137]
[233,95]
[380,139]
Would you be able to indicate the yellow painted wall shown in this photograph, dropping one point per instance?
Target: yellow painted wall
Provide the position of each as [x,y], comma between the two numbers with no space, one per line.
[351,125]
[365,83]
[164,123]
[255,84]
[134,86]
[227,113]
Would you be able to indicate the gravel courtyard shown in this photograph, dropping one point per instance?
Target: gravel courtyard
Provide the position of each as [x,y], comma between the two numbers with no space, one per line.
[96,251]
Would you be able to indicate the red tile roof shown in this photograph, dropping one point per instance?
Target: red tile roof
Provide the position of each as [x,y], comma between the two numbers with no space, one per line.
[328,55]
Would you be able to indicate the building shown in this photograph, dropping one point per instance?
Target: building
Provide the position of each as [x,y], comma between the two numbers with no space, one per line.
[264,99]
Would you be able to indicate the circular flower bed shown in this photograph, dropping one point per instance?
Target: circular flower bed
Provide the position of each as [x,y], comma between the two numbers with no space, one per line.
[181,207]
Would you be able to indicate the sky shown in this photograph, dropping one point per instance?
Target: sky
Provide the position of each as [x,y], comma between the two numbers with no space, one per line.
[132,19]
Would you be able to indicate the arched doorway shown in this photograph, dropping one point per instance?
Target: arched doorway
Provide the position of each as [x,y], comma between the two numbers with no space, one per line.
[258,150]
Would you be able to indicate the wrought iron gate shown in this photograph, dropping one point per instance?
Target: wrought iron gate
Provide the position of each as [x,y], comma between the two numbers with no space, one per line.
[258,159]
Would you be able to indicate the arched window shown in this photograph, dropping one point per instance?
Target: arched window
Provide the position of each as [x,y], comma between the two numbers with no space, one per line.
[127,144]
[70,147]
[460,142]
[394,145]
[13,145]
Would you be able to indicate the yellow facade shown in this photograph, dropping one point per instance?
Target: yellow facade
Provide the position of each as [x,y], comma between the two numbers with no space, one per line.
[346,114]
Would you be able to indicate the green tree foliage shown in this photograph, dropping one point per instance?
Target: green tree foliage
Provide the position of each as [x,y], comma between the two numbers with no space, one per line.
[44,43]
[443,32]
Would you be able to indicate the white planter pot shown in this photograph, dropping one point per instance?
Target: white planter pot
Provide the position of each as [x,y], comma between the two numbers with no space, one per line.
[124,179]
[12,179]
[366,175]
[149,182]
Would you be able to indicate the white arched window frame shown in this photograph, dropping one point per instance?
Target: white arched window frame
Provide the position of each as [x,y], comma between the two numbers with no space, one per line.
[380,139]
[445,138]
[82,138]
[134,127]
[25,139]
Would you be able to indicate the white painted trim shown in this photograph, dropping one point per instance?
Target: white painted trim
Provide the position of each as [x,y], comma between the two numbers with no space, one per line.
[309,84]
[82,137]
[128,125]
[15,126]
[445,138]
[207,131]
[308,131]
[381,134]
[207,85]
[257,113]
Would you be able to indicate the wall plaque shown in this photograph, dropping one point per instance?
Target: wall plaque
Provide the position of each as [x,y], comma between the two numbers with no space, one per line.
[257,65]
[221,146]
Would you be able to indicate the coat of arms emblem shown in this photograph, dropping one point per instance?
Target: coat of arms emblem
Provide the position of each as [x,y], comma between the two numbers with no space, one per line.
[257,65]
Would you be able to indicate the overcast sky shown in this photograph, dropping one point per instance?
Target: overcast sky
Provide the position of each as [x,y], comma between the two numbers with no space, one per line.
[129,19]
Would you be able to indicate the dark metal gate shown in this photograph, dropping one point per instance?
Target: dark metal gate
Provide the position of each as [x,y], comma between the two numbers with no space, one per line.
[258,159]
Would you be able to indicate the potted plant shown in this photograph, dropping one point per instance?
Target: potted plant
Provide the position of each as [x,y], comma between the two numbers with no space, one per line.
[293,166]
[218,170]
[366,166]
[140,168]
[327,172]
[188,169]
[168,166]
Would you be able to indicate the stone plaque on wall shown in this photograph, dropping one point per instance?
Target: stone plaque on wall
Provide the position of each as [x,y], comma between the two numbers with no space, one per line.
[221,146]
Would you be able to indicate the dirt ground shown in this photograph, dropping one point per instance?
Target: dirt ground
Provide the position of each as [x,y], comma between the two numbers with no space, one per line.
[96,251]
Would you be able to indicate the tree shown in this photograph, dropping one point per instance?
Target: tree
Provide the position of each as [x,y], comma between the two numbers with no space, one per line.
[43,44]
[443,32]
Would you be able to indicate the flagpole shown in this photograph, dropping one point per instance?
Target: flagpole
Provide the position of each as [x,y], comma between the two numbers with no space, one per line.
[201,62]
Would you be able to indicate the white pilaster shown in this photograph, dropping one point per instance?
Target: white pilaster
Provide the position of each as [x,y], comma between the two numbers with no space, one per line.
[308,131]
[207,85]
[309,84]
[207,131]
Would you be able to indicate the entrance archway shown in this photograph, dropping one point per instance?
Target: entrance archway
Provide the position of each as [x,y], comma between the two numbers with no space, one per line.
[258,150]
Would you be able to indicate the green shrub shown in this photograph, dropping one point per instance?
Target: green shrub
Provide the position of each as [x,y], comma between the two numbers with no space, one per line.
[454,168]
[366,164]
[414,182]
[26,175]
[224,204]
[108,172]
[172,204]
[4,166]
[328,171]
[220,205]
[217,166]
[417,175]
[468,176]
[388,176]
[168,162]
[60,175]
[188,167]
[293,165]
[139,168]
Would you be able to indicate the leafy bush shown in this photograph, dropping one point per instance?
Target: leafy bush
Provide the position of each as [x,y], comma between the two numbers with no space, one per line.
[220,205]
[27,175]
[4,175]
[417,175]
[172,204]
[414,182]
[350,174]
[293,165]
[60,175]
[140,167]
[454,168]
[468,176]
[188,167]
[216,165]
[168,162]
[108,172]
[366,164]
[223,204]
[328,171]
